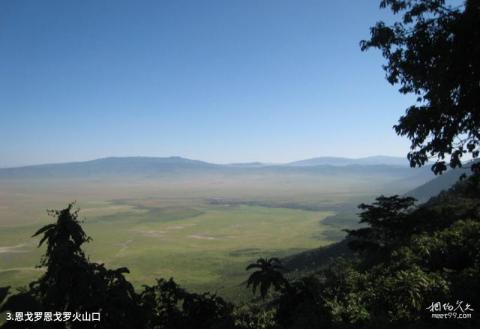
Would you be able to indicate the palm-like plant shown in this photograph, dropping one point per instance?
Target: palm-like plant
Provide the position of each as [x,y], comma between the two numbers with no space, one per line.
[268,274]
[66,236]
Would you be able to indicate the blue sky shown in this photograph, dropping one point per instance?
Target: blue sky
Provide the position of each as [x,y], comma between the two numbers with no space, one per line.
[221,81]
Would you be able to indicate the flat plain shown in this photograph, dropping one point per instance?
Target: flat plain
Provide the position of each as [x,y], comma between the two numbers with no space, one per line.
[202,230]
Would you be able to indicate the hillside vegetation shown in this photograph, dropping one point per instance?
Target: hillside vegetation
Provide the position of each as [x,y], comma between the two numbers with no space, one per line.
[402,260]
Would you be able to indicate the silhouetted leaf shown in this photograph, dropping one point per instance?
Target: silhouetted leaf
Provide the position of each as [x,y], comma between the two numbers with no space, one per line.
[3,293]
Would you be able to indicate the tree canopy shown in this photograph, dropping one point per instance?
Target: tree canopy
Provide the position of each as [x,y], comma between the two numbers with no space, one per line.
[433,52]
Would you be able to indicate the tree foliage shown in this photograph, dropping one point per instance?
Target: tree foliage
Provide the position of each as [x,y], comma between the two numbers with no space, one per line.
[168,306]
[387,224]
[408,257]
[267,275]
[433,52]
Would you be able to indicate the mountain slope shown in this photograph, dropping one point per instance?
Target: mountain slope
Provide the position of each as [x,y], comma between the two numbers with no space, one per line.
[438,184]
[150,166]
[338,161]
[120,166]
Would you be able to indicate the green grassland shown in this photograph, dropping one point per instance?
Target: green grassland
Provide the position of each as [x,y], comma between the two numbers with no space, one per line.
[202,232]
[204,247]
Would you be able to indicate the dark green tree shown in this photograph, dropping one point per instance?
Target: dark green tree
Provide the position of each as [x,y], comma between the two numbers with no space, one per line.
[387,224]
[168,306]
[71,283]
[267,274]
[433,52]
[301,305]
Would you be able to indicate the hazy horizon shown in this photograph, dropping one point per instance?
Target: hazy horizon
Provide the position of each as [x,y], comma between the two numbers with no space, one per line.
[207,161]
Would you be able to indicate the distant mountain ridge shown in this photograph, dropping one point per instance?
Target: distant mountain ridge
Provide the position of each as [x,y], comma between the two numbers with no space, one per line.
[324,160]
[107,166]
[339,161]
[170,166]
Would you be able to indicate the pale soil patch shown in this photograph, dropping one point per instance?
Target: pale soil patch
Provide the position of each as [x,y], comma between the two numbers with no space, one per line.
[110,210]
[36,269]
[152,233]
[202,237]
[179,227]
[123,246]
[13,249]
[176,227]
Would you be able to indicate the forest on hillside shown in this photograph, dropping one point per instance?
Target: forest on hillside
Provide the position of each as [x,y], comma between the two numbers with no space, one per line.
[408,265]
